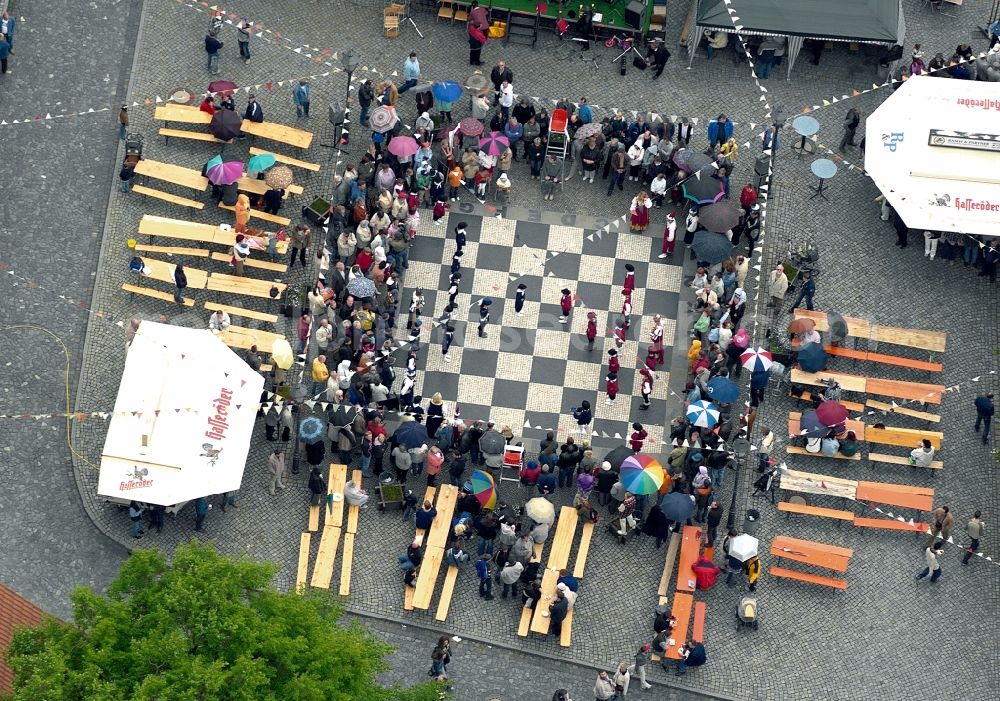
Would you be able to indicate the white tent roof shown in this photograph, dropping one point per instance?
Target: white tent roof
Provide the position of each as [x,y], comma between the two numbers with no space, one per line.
[952,184]
[183,418]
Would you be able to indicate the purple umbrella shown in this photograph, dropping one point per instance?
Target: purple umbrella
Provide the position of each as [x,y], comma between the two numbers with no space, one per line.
[494,144]
[225,173]
[403,146]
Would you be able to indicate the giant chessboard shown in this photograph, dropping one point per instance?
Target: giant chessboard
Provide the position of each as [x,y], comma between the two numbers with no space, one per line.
[532,370]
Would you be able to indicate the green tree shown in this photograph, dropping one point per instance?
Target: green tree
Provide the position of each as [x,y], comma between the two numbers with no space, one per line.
[203,627]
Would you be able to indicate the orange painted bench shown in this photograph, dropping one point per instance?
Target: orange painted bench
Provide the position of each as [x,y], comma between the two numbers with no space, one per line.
[851,425]
[919,498]
[807,510]
[690,549]
[850,406]
[698,627]
[809,552]
[832,582]
[796,450]
[842,352]
[681,611]
[916,391]
[890,524]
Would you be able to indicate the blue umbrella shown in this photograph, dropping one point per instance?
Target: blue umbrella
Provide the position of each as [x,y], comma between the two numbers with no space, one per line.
[810,425]
[812,357]
[723,390]
[676,507]
[311,430]
[410,434]
[446,91]
[702,413]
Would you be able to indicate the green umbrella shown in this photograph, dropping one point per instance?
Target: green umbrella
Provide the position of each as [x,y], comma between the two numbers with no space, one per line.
[216,161]
[261,161]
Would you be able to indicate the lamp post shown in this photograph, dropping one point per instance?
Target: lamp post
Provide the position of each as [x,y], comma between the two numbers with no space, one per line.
[350,61]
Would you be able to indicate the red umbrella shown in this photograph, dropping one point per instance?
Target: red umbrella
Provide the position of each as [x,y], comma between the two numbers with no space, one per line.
[832,413]
[222,87]
[470,127]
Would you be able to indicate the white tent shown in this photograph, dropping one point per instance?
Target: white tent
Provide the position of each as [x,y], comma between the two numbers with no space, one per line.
[926,150]
[183,419]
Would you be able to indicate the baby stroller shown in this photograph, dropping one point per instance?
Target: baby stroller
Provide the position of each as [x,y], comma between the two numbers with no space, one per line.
[622,527]
[133,148]
[746,613]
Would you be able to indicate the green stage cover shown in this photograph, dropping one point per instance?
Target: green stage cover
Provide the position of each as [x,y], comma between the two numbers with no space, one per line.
[855,20]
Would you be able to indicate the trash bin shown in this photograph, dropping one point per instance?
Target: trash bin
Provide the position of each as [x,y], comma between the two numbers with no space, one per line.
[752,522]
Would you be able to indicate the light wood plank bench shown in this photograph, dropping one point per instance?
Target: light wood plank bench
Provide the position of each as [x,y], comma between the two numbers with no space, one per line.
[334,513]
[905,411]
[566,630]
[239,311]
[850,406]
[258,214]
[901,460]
[314,517]
[155,294]
[259,187]
[586,533]
[841,352]
[167,197]
[903,437]
[325,558]
[796,450]
[408,598]
[819,579]
[915,391]
[890,524]
[428,496]
[233,284]
[346,563]
[353,510]
[444,603]
[287,160]
[163,271]
[524,625]
[806,510]
[252,263]
[192,135]
[278,132]
[168,172]
[172,250]
[824,485]
[668,566]
[302,573]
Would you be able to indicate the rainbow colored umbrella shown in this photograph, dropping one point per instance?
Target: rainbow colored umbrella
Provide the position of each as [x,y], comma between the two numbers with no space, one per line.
[484,488]
[641,474]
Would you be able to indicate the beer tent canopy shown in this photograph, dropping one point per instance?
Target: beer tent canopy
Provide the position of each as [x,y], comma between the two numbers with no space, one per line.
[945,181]
[183,418]
[867,21]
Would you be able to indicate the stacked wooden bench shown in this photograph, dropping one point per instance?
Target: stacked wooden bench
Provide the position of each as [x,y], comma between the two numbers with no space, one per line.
[332,527]
[347,558]
[419,535]
[168,197]
[562,543]
[436,541]
[809,552]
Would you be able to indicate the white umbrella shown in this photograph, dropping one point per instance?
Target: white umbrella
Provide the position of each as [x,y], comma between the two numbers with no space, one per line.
[743,547]
[540,510]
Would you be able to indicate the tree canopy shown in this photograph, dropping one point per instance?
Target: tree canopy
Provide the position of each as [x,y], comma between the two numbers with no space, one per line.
[202,627]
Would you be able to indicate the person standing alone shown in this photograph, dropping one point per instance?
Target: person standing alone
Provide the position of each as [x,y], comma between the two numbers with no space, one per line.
[931,554]
[984,414]
[243,39]
[411,73]
[975,529]
[212,46]
[851,122]
[300,95]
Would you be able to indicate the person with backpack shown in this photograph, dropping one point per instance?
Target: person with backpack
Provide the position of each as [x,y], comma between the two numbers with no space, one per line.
[484,572]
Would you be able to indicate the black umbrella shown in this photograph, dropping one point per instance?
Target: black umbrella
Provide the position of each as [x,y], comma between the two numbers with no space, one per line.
[811,426]
[492,443]
[721,216]
[410,434]
[837,327]
[225,125]
[617,456]
[812,357]
[676,507]
[712,247]
[703,187]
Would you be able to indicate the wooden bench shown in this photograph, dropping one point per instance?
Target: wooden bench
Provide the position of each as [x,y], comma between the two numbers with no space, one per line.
[167,197]
[905,411]
[258,214]
[919,498]
[683,604]
[287,160]
[690,550]
[825,485]
[182,113]
[850,406]
[314,517]
[832,582]
[346,563]
[420,533]
[163,271]
[259,187]
[233,284]
[325,557]
[903,437]
[915,391]
[831,557]
[334,512]
[168,172]
[408,595]
[841,352]
[524,625]
[586,534]
[244,339]
[668,566]
[155,294]
[172,250]
[444,603]
[860,328]
[796,450]
[848,383]
[566,630]
[901,460]
[192,135]
[353,510]
[698,626]
[890,524]
[278,132]
[239,311]
[794,417]
[806,510]
[302,572]
[252,263]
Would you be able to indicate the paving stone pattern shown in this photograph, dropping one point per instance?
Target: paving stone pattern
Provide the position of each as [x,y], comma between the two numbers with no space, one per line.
[809,640]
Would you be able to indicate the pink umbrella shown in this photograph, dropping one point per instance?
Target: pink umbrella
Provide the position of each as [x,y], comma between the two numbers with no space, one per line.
[225,173]
[494,144]
[832,413]
[403,146]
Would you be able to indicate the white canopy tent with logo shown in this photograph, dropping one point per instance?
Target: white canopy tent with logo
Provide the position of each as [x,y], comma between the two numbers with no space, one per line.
[183,418]
[927,152]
